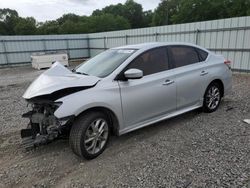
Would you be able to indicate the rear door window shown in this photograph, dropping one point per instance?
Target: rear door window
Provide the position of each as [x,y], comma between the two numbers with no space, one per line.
[183,55]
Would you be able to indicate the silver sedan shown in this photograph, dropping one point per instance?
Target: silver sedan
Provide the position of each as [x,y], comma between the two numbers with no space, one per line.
[121,90]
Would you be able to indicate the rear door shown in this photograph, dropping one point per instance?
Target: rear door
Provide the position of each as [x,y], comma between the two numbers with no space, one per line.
[154,94]
[190,75]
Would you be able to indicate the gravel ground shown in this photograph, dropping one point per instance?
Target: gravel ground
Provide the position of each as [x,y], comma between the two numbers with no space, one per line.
[192,150]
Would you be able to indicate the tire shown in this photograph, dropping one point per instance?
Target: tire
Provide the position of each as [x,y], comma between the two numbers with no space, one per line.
[212,97]
[89,135]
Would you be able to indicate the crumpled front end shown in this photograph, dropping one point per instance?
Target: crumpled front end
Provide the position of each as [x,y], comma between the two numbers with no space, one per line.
[43,126]
[42,97]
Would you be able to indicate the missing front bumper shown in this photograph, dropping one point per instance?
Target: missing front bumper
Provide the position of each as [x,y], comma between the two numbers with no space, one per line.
[43,128]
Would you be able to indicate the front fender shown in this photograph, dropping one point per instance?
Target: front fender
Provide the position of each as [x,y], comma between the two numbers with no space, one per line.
[81,101]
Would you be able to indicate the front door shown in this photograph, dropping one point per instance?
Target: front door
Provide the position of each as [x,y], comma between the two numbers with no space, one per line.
[152,96]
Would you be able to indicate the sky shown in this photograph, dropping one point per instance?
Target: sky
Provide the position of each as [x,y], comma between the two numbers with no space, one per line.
[43,10]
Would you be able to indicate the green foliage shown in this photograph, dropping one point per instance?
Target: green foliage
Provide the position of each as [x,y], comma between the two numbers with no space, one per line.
[73,24]
[193,10]
[125,16]
[8,19]
[98,23]
[48,27]
[134,13]
[165,11]
[147,18]
[69,27]
[238,8]
[25,26]
[68,17]
[118,9]
[131,11]
[107,22]
[201,10]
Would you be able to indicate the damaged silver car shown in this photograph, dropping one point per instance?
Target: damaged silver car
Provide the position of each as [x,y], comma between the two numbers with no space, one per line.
[121,90]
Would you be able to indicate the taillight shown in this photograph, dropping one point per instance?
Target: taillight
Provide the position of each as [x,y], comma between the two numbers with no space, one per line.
[228,63]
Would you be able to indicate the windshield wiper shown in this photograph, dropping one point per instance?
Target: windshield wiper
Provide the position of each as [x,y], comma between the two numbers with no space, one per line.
[82,73]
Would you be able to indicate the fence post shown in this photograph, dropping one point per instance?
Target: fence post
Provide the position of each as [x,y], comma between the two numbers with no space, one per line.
[44,45]
[105,42]
[156,36]
[88,46]
[67,46]
[197,36]
[5,52]
[126,39]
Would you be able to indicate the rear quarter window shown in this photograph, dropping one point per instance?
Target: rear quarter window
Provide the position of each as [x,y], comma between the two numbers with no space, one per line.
[202,54]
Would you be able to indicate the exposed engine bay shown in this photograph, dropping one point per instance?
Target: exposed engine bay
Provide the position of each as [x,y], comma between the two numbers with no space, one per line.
[43,126]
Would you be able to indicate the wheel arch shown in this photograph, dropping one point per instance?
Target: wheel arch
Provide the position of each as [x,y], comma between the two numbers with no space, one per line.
[109,113]
[219,81]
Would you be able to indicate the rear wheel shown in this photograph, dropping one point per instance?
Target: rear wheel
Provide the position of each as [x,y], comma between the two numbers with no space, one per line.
[212,97]
[89,135]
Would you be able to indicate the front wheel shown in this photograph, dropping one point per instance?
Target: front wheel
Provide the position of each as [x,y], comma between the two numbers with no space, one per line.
[89,135]
[212,97]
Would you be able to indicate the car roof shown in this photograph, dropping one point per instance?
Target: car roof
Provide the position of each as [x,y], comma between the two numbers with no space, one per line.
[148,45]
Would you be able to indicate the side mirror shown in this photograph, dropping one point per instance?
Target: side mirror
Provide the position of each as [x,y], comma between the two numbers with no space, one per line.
[133,74]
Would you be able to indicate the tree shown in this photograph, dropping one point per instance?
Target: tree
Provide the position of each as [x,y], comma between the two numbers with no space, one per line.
[125,16]
[74,26]
[8,20]
[197,10]
[134,13]
[68,27]
[3,28]
[68,17]
[165,11]
[48,27]
[147,18]
[238,8]
[131,11]
[106,22]
[201,10]
[117,10]
[25,26]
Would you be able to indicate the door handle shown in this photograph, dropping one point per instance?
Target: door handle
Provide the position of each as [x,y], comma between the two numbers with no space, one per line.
[203,73]
[168,82]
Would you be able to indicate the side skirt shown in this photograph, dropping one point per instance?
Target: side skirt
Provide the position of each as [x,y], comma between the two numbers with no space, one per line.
[158,119]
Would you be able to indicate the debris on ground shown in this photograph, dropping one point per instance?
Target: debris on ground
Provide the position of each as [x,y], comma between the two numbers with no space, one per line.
[247,121]
[229,108]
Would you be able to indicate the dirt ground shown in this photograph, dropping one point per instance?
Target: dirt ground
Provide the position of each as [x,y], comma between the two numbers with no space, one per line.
[192,150]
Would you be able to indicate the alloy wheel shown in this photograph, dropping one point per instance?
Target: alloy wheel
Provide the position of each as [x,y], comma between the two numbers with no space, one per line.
[213,97]
[96,136]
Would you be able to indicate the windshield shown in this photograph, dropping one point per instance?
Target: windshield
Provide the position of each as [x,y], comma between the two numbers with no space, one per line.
[104,63]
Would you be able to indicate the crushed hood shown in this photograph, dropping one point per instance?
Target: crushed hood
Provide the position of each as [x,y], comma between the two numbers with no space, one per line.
[58,78]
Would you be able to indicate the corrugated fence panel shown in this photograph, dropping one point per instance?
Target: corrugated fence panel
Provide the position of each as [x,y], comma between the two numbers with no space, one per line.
[229,37]
[2,54]
[18,49]
[2,59]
